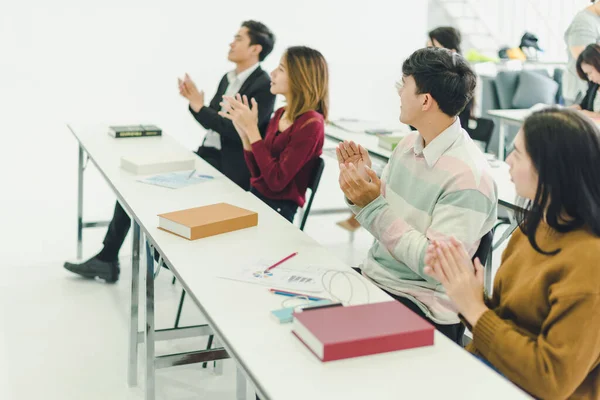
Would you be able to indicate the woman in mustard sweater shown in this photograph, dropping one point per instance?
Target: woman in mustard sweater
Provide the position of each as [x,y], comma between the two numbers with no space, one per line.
[541,327]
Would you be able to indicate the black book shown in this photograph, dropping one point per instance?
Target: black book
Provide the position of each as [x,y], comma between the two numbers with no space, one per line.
[134,131]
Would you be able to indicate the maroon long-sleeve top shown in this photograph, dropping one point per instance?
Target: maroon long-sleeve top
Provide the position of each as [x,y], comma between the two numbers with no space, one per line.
[281,164]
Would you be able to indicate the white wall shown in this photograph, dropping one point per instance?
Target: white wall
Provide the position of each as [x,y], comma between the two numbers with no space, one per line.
[117,61]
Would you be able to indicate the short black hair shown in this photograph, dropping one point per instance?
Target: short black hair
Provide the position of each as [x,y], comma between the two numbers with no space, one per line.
[591,56]
[448,37]
[260,34]
[445,75]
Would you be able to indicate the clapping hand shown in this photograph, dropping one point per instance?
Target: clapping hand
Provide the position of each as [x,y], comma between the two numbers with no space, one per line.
[188,89]
[348,152]
[243,115]
[450,264]
[359,190]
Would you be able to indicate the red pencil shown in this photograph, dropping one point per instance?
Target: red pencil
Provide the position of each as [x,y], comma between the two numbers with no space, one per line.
[281,262]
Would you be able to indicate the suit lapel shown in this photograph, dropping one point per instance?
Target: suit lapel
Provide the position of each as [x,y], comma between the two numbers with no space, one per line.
[214,104]
[253,76]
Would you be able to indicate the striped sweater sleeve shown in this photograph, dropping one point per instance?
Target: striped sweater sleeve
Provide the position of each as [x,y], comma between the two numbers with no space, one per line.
[460,213]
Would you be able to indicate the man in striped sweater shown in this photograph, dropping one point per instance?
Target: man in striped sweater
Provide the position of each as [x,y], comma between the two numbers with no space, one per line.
[436,184]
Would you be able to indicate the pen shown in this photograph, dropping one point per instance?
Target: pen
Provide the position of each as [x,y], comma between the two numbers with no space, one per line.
[192,174]
[317,307]
[292,294]
[281,262]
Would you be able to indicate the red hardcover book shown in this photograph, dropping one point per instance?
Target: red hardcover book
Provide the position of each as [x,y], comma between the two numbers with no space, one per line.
[344,332]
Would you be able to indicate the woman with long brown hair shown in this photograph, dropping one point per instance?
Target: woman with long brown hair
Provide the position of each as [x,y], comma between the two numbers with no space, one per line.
[282,163]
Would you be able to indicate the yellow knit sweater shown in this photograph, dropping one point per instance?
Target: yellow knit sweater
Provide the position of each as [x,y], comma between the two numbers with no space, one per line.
[543,328]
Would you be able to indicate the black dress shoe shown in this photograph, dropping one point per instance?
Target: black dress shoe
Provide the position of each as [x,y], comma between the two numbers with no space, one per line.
[96,268]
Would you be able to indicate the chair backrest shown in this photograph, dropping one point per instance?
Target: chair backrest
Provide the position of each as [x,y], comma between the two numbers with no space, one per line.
[313,185]
[482,132]
[485,247]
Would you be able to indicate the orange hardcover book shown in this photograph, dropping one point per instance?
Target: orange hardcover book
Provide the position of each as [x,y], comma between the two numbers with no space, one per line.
[200,222]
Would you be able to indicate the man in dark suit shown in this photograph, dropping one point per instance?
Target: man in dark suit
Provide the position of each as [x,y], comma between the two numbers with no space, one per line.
[222,146]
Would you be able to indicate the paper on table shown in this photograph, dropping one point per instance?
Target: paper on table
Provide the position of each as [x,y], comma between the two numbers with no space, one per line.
[176,180]
[296,278]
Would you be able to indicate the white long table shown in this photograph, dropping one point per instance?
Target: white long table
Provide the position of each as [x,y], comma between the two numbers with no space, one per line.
[514,117]
[278,365]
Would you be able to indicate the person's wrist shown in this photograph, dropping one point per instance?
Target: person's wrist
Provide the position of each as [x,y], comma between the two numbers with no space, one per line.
[474,312]
[196,105]
[254,135]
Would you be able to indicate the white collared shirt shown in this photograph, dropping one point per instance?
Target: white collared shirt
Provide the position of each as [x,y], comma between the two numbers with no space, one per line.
[236,81]
[438,146]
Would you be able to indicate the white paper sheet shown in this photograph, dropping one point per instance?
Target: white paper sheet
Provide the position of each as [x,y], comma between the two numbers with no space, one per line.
[295,278]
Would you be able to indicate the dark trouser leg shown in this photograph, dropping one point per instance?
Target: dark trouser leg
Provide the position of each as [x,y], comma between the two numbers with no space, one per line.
[115,236]
[211,156]
[286,208]
[287,211]
[454,332]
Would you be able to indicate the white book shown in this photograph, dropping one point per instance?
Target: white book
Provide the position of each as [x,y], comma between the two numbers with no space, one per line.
[146,164]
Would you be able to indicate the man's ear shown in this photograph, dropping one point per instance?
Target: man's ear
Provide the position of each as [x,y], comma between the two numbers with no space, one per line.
[428,102]
[256,49]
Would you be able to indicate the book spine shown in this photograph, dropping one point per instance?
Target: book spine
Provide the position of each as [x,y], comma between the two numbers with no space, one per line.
[358,348]
[231,225]
[119,135]
[152,133]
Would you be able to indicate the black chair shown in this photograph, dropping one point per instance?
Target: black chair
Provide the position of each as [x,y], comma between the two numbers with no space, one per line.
[485,247]
[313,186]
[483,253]
[482,131]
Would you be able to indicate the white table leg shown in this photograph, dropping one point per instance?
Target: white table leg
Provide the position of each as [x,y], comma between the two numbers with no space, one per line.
[80,204]
[501,139]
[218,364]
[149,328]
[134,310]
[240,379]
